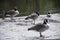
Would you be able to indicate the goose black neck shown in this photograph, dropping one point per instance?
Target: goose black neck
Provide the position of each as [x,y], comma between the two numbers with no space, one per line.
[15,9]
[37,13]
[45,21]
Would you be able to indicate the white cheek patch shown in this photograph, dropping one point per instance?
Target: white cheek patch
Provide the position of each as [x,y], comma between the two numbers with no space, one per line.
[16,13]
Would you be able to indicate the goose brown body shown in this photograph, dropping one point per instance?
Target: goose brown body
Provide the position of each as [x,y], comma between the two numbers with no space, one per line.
[11,13]
[32,16]
[39,27]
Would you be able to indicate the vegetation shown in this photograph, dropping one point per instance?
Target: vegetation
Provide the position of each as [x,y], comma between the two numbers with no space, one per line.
[27,7]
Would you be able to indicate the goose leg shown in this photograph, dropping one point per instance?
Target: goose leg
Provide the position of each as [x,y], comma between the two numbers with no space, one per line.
[11,17]
[3,15]
[40,34]
[34,22]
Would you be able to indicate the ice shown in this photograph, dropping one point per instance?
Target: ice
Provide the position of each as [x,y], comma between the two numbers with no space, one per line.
[17,30]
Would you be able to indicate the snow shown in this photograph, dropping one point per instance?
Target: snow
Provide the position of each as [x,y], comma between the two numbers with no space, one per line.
[17,28]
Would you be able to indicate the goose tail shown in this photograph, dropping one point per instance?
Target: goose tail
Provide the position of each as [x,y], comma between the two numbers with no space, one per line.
[26,18]
[3,14]
[29,29]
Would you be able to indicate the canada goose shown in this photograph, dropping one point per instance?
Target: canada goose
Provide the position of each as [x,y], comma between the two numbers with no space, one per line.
[40,27]
[48,15]
[32,16]
[12,13]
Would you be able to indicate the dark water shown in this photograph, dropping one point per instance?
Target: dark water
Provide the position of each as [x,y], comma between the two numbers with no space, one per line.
[26,7]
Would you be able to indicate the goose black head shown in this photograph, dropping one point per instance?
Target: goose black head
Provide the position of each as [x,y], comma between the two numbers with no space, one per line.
[45,21]
[37,13]
[15,8]
[48,12]
[48,15]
